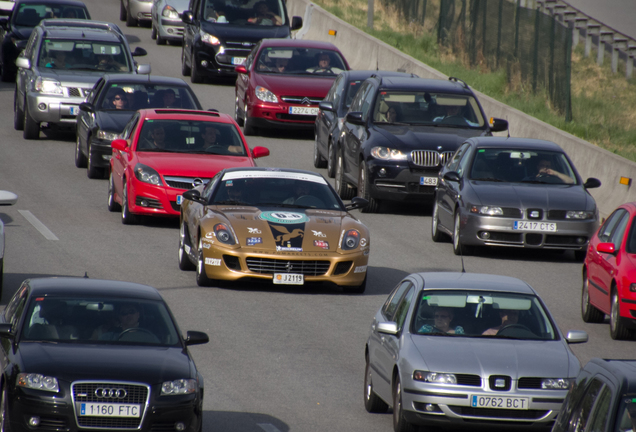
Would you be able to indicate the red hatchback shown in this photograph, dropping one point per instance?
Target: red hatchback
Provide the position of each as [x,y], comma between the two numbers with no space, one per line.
[609,273]
[282,82]
[164,152]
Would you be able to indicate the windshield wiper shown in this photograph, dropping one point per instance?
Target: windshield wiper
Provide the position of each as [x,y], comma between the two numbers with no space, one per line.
[230,202]
[492,179]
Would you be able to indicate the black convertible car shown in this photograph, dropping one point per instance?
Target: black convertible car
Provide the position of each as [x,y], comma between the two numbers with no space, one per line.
[80,354]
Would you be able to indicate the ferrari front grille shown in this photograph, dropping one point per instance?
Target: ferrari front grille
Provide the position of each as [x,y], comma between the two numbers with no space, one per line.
[305,267]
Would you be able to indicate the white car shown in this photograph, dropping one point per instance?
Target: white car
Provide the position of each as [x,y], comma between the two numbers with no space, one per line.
[166,20]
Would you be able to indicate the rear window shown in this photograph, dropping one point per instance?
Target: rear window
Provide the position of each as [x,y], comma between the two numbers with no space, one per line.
[30,15]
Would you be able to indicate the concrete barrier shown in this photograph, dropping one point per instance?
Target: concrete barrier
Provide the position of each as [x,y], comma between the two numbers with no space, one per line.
[363,51]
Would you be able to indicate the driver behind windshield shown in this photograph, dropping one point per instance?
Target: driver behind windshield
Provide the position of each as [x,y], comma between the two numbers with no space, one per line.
[213,143]
[323,61]
[508,317]
[127,317]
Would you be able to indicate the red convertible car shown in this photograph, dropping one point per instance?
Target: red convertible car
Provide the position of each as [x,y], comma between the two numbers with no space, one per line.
[163,152]
[282,82]
[609,274]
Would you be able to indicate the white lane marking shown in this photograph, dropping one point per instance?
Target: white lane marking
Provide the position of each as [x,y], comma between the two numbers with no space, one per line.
[268,427]
[38,225]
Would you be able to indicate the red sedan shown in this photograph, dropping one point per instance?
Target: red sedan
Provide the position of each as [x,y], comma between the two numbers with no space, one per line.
[164,152]
[609,274]
[282,82]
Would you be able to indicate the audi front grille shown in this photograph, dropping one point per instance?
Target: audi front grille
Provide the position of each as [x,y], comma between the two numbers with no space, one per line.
[103,392]
[305,267]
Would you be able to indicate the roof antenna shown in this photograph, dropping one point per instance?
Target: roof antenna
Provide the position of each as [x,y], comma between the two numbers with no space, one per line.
[85,275]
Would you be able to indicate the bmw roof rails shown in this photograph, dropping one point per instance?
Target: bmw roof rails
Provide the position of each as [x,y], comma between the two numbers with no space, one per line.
[457,80]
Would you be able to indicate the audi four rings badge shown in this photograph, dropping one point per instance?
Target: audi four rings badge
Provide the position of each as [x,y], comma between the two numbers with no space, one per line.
[117,393]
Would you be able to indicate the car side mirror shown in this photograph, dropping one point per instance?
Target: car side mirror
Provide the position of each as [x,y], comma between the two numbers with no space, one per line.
[387,328]
[609,248]
[6,331]
[187,17]
[240,69]
[196,338]
[592,183]
[86,106]
[576,336]
[119,144]
[498,125]
[139,52]
[297,22]
[8,198]
[357,202]
[452,176]
[23,62]
[143,69]
[194,195]
[355,118]
[326,106]
[259,152]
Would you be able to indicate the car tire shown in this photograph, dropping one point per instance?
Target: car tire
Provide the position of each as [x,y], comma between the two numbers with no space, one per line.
[372,403]
[356,289]
[184,260]
[130,20]
[248,123]
[4,407]
[331,160]
[202,278]
[1,280]
[589,313]
[153,31]
[80,158]
[319,161]
[18,114]
[31,127]
[93,172]
[239,119]
[579,255]
[113,206]
[159,39]
[127,218]
[195,75]
[436,235]
[185,69]
[618,329]
[342,187]
[122,11]
[399,422]
[364,190]
[458,247]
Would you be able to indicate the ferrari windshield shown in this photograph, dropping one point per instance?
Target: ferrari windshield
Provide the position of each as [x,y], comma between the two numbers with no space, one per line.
[275,189]
[528,166]
[99,320]
[482,314]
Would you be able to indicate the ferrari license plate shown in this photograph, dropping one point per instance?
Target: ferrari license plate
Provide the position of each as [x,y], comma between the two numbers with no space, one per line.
[303,110]
[288,279]
[428,181]
[505,402]
[110,410]
[74,110]
[238,60]
[535,226]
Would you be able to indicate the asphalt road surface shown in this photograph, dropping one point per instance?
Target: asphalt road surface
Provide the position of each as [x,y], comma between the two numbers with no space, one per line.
[279,359]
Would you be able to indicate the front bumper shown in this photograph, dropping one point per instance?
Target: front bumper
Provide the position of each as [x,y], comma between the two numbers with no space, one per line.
[219,60]
[54,109]
[170,29]
[140,9]
[151,200]
[100,152]
[277,116]
[399,181]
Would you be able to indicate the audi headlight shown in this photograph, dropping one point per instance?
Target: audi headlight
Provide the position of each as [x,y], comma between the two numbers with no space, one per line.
[48,86]
[555,383]
[224,234]
[38,382]
[387,153]
[265,95]
[487,210]
[351,240]
[208,38]
[579,215]
[435,377]
[170,12]
[178,387]
[147,175]
[108,136]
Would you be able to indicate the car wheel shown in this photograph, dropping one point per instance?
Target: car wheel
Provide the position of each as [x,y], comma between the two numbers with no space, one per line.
[372,403]
[1,277]
[618,329]
[436,234]
[364,190]
[160,40]
[248,123]
[18,114]
[185,69]
[342,187]
[93,172]
[80,159]
[127,218]
[399,422]
[579,255]
[184,260]
[153,31]
[113,206]
[195,74]
[202,277]
[319,161]
[331,160]
[122,11]
[458,247]
[4,410]
[130,20]
[239,119]
[31,127]
[356,289]
[588,312]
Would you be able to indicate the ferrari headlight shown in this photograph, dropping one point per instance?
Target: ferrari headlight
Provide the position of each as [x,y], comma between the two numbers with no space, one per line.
[169,12]
[387,153]
[147,175]
[38,382]
[435,377]
[579,215]
[108,136]
[208,38]
[265,95]
[555,383]
[351,240]
[178,387]
[224,234]
[48,86]
[487,210]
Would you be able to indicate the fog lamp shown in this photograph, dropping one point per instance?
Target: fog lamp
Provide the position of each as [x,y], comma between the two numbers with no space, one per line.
[170,30]
[41,106]
[581,240]
[632,287]
[204,63]
[179,426]
[144,203]
[485,235]
[382,172]
[34,421]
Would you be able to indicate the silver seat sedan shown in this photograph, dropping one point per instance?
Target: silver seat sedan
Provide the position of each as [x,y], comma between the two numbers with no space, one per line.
[462,349]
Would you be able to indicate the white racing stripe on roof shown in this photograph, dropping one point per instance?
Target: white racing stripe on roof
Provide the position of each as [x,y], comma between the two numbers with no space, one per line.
[236,175]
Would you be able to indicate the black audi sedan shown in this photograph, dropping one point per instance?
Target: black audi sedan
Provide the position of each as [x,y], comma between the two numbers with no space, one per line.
[399,132]
[81,353]
[112,102]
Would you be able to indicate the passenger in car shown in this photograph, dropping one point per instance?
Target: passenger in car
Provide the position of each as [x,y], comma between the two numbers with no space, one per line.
[264,16]
[443,316]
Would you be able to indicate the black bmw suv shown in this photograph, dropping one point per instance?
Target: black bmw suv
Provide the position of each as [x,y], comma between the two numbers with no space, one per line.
[400,131]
